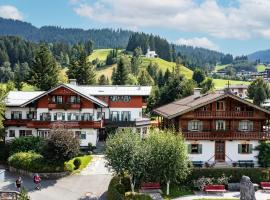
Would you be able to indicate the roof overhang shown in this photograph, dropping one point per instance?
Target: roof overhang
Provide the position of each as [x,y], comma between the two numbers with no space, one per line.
[210,101]
[90,98]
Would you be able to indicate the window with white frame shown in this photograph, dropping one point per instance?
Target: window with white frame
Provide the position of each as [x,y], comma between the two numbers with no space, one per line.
[220,105]
[45,116]
[220,125]
[31,115]
[73,116]
[43,133]
[245,148]
[195,148]
[11,133]
[114,115]
[24,133]
[195,125]
[59,116]
[245,125]
[125,115]
[101,115]
[87,117]
[16,114]
[80,135]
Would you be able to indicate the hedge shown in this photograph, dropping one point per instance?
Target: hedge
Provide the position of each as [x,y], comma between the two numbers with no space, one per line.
[82,162]
[256,174]
[25,144]
[33,162]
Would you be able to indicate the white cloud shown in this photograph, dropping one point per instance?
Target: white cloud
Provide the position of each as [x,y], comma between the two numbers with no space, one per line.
[198,42]
[10,12]
[250,18]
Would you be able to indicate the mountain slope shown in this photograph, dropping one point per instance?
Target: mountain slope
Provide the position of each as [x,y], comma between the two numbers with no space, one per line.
[263,56]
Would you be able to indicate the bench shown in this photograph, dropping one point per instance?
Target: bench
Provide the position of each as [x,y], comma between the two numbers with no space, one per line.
[214,188]
[265,185]
[150,186]
[245,163]
[197,163]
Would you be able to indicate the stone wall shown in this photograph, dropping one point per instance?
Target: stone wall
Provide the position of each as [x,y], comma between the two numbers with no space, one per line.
[42,175]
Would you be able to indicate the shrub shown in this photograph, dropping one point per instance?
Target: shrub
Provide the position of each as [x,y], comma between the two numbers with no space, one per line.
[24,144]
[77,163]
[202,182]
[263,156]
[33,162]
[83,160]
[137,196]
[4,151]
[256,174]
[117,188]
[61,146]
[90,146]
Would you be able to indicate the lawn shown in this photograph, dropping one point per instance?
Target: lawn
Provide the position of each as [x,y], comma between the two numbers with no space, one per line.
[219,67]
[101,54]
[164,65]
[260,68]
[221,83]
[107,71]
[26,87]
[176,191]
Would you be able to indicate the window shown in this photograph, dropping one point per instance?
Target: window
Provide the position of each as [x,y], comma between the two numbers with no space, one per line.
[220,105]
[195,125]
[80,134]
[204,108]
[245,125]
[101,115]
[220,125]
[11,133]
[24,133]
[195,148]
[120,98]
[74,99]
[87,117]
[59,116]
[73,116]
[245,148]
[16,114]
[125,115]
[45,116]
[59,99]
[237,108]
[114,116]
[31,115]
[43,133]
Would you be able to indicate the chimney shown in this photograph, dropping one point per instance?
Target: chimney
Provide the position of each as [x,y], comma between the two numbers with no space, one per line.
[72,81]
[197,92]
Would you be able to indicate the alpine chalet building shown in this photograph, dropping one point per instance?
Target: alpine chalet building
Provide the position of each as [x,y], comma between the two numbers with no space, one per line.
[86,110]
[219,128]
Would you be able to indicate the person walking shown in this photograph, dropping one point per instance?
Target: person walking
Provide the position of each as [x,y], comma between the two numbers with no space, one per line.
[19,183]
[37,181]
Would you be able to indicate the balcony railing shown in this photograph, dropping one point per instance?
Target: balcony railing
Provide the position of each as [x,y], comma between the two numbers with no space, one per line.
[67,124]
[133,123]
[16,122]
[227,135]
[224,114]
[64,106]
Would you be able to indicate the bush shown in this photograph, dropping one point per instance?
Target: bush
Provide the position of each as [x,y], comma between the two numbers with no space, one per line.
[137,196]
[263,156]
[77,163]
[116,190]
[25,144]
[61,146]
[4,151]
[256,174]
[33,162]
[83,160]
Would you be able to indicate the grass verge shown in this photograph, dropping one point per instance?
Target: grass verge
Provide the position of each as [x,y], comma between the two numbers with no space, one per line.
[85,160]
[176,191]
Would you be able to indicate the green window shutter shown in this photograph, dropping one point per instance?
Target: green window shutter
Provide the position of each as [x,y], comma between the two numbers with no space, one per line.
[189,148]
[55,116]
[20,115]
[82,117]
[250,149]
[69,117]
[41,117]
[63,116]
[200,148]
[117,116]
[239,148]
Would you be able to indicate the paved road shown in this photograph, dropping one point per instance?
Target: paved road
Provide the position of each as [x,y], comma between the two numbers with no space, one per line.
[93,181]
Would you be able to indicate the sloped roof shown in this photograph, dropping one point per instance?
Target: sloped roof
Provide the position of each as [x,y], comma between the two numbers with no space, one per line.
[17,98]
[112,90]
[190,103]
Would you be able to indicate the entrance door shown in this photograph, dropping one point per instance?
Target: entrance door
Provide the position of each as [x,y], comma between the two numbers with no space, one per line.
[220,151]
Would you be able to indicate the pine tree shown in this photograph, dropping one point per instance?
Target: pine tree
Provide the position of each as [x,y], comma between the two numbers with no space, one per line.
[44,70]
[120,76]
[21,73]
[144,78]
[103,80]
[81,69]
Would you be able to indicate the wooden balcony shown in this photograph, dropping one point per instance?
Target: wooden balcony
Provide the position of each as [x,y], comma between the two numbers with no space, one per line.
[64,106]
[224,114]
[227,135]
[16,122]
[110,123]
[67,124]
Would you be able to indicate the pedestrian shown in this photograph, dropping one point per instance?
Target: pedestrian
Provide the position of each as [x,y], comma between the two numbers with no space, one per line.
[37,181]
[19,183]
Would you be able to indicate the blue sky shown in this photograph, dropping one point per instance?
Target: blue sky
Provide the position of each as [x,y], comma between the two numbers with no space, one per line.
[231,26]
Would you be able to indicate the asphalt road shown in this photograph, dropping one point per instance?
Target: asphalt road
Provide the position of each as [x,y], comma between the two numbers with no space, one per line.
[91,183]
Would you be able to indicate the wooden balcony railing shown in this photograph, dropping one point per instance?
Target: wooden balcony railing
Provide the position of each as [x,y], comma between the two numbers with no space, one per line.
[16,122]
[64,106]
[111,123]
[227,135]
[67,124]
[224,114]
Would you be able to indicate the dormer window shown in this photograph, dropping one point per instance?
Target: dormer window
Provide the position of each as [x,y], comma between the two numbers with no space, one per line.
[74,99]
[57,99]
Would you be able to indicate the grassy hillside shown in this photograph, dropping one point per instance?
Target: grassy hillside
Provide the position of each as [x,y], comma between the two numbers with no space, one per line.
[26,87]
[101,54]
[220,67]
[221,83]
[260,68]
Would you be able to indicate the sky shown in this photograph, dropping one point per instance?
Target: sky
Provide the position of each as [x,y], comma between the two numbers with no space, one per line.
[238,27]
